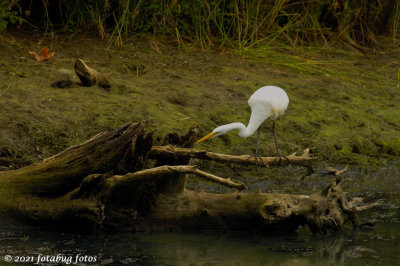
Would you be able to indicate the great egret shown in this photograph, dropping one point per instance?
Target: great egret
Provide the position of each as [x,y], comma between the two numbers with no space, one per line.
[266,102]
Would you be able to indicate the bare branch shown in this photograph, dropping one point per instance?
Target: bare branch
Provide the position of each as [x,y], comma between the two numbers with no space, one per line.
[124,180]
[172,151]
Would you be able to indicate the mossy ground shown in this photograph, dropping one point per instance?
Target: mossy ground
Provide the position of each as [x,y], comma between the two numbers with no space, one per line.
[344,105]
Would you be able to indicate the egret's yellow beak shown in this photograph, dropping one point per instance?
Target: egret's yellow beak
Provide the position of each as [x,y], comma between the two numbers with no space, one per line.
[206,137]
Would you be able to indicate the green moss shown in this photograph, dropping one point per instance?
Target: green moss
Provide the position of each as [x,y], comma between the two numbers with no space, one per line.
[391,147]
[341,107]
[345,151]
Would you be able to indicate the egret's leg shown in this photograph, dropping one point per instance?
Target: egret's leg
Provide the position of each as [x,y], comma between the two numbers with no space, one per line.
[276,142]
[258,141]
[276,145]
[256,154]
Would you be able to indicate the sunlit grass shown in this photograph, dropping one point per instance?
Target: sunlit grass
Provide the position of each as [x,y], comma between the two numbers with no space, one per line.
[304,60]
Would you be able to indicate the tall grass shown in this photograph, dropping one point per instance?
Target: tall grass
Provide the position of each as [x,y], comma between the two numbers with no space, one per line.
[238,23]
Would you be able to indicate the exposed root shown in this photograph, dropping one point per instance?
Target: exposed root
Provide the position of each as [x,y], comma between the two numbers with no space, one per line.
[366,206]
[338,204]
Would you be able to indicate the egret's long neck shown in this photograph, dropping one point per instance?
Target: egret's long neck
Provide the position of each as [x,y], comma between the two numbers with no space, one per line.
[244,131]
[247,131]
[258,115]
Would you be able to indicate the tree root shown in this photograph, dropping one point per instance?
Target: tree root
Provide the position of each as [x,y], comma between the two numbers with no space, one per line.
[338,209]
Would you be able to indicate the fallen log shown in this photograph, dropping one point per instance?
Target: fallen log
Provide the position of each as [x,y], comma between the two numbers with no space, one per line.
[104,183]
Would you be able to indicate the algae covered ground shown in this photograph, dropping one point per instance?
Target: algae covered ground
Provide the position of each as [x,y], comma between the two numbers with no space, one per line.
[344,105]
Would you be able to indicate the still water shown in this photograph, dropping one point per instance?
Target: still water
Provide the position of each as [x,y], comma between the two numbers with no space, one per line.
[369,246]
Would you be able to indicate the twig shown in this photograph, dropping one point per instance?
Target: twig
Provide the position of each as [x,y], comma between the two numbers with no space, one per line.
[224,181]
[171,151]
[336,172]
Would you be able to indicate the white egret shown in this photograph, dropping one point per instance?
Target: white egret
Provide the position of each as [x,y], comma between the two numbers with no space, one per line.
[266,102]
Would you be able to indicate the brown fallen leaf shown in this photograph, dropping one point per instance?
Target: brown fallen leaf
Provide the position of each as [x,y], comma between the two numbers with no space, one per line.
[44,54]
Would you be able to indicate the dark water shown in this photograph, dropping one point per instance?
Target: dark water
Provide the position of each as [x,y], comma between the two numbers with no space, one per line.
[369,246]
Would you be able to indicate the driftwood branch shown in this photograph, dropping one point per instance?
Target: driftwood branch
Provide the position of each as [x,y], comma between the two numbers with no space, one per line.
[154,173]
[172,151]
[357,202]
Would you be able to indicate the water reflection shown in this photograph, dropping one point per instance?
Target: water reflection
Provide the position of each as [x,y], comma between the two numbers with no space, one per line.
[378,246]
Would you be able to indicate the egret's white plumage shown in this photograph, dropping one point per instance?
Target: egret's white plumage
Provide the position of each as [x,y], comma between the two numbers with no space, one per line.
[266,102]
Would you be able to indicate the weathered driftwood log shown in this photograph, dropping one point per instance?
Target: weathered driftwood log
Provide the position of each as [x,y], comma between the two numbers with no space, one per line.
[323,212]
[36,193]
[104,183]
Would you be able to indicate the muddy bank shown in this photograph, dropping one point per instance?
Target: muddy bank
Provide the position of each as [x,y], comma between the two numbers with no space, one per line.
[345,108]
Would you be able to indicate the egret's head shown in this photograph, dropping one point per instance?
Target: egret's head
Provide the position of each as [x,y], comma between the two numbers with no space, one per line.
[218,131]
